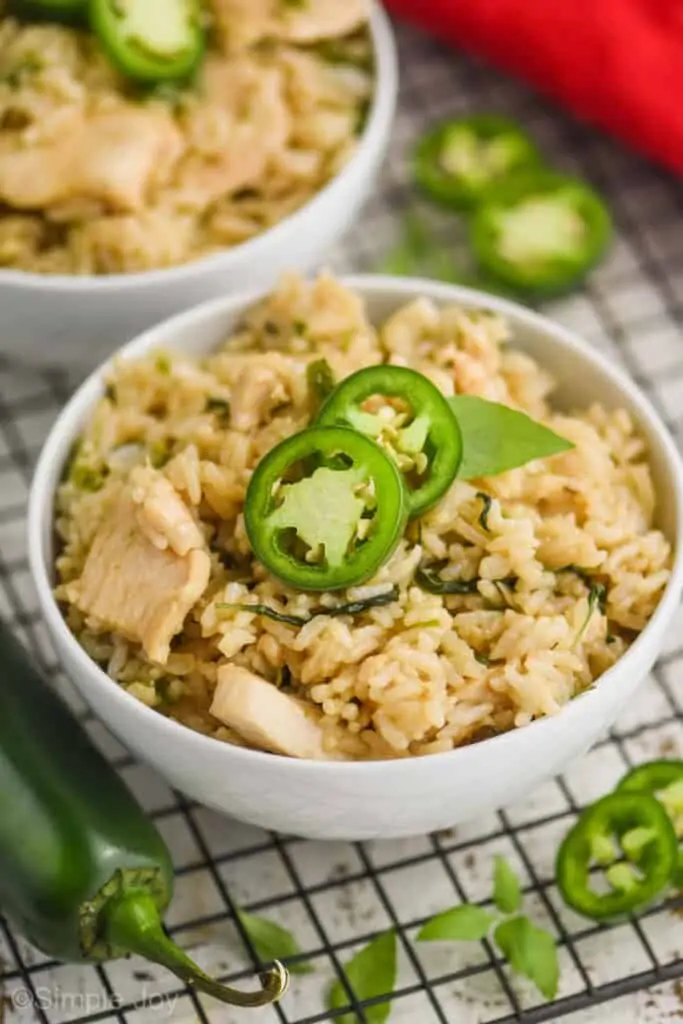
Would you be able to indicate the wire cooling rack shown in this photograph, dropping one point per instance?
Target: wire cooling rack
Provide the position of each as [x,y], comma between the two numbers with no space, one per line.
[336,896]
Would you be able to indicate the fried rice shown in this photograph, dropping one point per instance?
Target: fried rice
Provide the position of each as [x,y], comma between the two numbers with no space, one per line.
[98,176]
[423,673]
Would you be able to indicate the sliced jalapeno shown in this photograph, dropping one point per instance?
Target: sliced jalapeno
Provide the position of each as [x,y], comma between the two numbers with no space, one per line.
[150,40]
[540,233]
[457,162]
[325,509]
[630,837]
[408,416]
[663,780]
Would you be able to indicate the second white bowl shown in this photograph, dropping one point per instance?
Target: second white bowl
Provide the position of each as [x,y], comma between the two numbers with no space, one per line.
[57,320]
[367,800]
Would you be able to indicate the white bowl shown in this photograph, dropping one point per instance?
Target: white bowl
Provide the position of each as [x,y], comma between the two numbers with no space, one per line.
[59,320]
[378,799]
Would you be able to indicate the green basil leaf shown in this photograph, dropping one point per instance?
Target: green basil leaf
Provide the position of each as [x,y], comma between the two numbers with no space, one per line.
[465,923]
[496,438]
[507,892]
[370,973]
[273,942]
[531,951]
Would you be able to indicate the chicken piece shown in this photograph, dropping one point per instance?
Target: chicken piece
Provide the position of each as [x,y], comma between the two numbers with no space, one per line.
[161,513]
[265,717]
[257,390]
[240,23]
[233,130]
[130,586]
[113,157]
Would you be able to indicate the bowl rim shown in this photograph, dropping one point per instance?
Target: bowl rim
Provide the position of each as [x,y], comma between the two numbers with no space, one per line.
[379,119]
[41,504]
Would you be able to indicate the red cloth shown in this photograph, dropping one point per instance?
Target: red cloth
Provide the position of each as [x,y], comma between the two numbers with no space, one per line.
[616,63]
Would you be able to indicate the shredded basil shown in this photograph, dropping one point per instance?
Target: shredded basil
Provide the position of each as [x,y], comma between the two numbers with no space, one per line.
[160,452]
[429,580]
[484,514]
[356,607]
[321,382]
[245,194]
[220,406]
[71,458]
[284,678]
[351,608]
[336,51]
[29,65]
[482,659]
[162,363]
[597,598]
[506,581]
[362,118]
[267,612]
[172,93]
[597,592]
[88,479]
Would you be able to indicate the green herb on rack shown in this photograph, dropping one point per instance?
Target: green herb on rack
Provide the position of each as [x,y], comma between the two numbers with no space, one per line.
[531,951]
[370,974]
[273,942]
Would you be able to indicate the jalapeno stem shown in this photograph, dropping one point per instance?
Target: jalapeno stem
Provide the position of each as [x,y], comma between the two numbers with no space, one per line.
[132,923]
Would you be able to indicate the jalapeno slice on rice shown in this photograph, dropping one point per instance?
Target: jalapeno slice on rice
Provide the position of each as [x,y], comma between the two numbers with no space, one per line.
[628,838]
[410,418]
[540,233]
[458,161]
[150,40]
[325,509]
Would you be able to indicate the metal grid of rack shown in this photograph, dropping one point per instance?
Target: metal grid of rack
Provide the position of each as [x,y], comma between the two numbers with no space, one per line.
[336,896]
